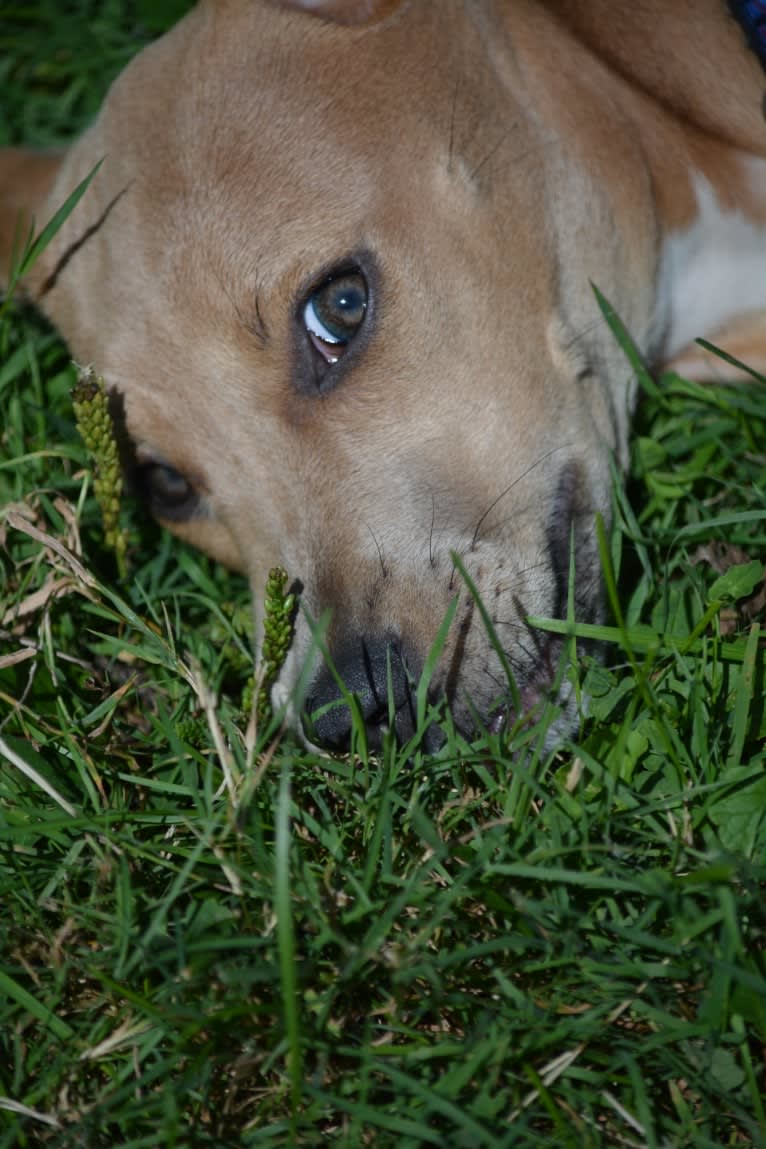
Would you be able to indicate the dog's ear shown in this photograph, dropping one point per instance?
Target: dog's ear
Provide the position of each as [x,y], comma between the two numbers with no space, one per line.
[345,11]
[26,180]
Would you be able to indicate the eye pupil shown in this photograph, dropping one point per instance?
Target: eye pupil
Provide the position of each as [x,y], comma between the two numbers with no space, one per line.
[343,305]
[335,312]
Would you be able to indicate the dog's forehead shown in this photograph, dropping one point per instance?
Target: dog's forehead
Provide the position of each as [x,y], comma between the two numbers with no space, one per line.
[247,68]
[243,85]
[257,174]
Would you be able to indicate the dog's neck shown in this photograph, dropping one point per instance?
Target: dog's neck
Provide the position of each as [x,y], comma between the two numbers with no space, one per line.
[667,51]
[703,143]
[712,271]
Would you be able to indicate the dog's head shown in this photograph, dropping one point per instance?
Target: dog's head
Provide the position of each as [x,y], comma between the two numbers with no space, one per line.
[337,271]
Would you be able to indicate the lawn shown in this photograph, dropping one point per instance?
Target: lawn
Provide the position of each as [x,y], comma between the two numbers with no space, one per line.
[210,937]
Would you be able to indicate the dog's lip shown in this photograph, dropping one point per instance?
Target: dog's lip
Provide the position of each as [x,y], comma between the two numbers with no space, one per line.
[531,693]
[505,716]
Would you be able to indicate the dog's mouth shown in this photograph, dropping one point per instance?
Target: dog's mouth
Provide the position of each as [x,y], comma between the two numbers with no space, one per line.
[523,704]
[373,687]
[495,672]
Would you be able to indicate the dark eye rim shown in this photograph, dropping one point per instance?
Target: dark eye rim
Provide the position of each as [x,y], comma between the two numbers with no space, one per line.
[312,373]
[170,510]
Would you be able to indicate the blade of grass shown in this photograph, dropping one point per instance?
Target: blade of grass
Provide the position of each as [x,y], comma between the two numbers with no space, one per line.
[36,244]
[286,940]
[41,1013]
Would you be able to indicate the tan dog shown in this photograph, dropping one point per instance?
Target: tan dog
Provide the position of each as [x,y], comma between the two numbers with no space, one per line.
[338,272]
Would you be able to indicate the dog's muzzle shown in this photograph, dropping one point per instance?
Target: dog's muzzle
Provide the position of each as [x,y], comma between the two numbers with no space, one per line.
[383,681]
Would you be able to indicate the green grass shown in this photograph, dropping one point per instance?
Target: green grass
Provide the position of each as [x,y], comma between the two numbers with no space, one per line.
[210,937]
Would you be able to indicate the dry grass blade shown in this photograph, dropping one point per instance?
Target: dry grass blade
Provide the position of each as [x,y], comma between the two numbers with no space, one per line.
[34,776]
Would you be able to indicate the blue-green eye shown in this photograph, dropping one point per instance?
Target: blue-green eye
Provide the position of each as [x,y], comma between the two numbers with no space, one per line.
[334,313]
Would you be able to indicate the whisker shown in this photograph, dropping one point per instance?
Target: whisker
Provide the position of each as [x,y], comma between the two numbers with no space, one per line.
[383,567]
[431,532]
[538,462]
[453,116]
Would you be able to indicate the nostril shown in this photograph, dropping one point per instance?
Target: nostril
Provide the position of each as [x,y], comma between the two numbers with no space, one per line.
[367,667]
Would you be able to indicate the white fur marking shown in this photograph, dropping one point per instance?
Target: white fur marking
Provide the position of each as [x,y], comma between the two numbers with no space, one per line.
[711,273]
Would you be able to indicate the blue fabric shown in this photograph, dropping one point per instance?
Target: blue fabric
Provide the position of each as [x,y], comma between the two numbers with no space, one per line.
[751,14]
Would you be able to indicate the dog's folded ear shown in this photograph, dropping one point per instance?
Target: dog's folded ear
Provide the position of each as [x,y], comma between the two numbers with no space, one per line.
[26,181]
[345,11]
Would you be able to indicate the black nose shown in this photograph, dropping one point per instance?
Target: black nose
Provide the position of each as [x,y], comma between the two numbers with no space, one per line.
[363,666]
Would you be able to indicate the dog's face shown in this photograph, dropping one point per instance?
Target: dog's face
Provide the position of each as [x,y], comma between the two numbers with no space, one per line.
[339,280]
